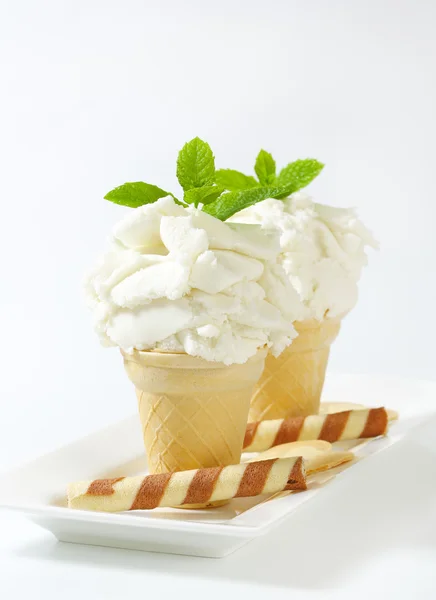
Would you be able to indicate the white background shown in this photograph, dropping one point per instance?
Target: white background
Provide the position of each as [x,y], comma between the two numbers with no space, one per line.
[98,92]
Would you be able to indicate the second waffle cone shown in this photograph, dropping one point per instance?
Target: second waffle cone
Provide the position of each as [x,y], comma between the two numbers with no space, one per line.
[291,384]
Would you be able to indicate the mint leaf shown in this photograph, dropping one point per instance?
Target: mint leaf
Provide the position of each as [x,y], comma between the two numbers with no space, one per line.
[265,168]
[229,204]
[234,180]
[205,195]
[136,194]
[300,173]
[195,165]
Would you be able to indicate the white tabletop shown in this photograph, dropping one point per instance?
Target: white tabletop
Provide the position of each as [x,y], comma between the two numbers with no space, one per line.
[382,546]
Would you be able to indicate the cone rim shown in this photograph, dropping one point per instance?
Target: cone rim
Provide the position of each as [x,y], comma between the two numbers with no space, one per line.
[182,360]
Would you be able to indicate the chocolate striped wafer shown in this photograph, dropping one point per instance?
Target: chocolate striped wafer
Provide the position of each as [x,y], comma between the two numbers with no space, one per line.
[346,425]
[189,487]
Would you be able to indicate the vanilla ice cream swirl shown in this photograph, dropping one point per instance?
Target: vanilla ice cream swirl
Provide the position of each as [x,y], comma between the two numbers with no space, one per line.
[177,279]
[322,250]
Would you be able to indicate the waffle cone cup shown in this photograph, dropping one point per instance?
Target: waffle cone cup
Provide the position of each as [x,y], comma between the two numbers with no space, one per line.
[193,412]
[291,384]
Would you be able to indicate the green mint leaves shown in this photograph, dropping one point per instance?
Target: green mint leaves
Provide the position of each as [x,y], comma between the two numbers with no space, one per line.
[136,194]
[224,192]
[294,176]
[265,168]
[245,191]
[196,173]
[195,165]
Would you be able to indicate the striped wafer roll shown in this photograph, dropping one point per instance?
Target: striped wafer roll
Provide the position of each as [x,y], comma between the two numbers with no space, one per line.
[346,425]
[199,486]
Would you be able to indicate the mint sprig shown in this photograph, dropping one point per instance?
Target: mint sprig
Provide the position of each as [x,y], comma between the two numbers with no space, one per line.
[195,165]
[224,192]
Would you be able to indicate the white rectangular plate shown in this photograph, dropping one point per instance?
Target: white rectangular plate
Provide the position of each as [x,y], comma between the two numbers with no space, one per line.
[38,489]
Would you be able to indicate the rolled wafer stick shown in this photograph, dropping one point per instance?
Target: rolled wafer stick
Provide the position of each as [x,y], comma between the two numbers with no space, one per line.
[189,487]
[334,407]
[346,425]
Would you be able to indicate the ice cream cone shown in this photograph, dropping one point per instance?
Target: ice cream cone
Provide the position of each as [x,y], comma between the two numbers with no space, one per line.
[193,412]
[291,384]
